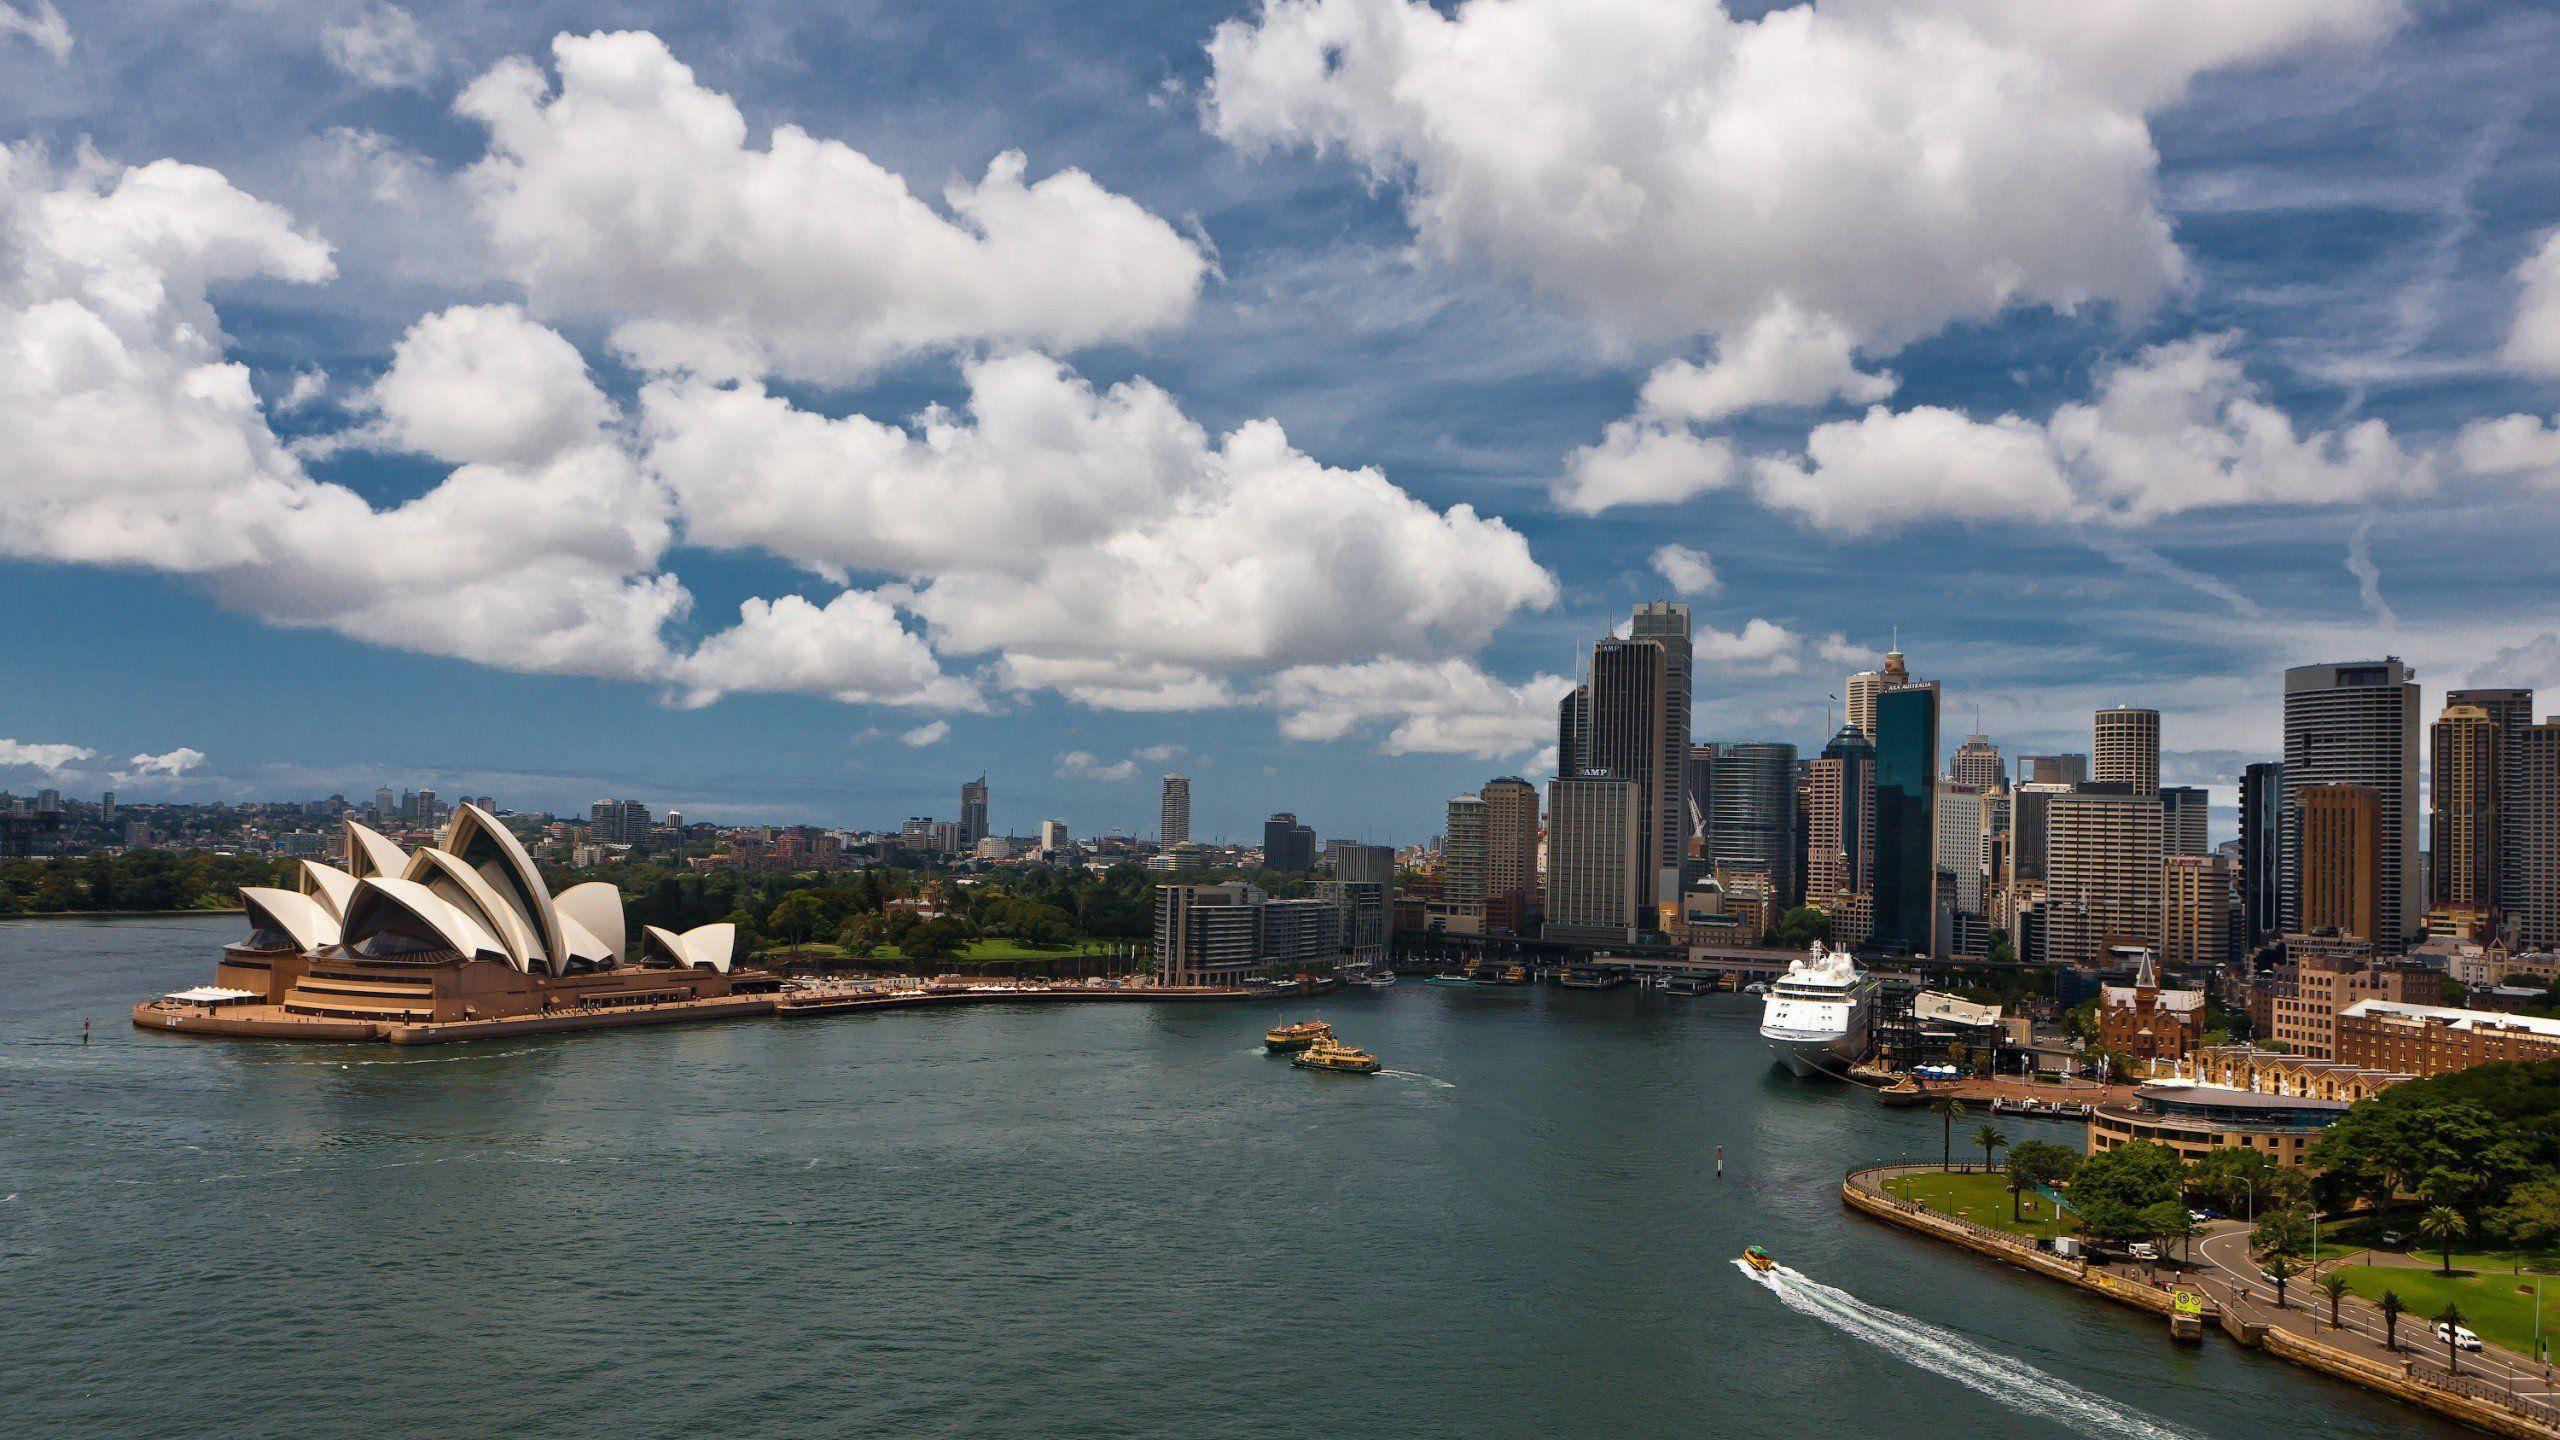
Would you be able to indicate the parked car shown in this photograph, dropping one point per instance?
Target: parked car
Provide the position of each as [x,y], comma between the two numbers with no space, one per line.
[2394,1240]
[2201,1217]
[2143,1250]
[2459,1335]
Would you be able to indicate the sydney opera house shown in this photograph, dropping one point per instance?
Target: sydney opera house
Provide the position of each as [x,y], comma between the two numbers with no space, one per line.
[450,939]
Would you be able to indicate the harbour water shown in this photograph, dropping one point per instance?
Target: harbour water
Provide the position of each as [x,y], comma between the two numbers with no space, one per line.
[1100,1221]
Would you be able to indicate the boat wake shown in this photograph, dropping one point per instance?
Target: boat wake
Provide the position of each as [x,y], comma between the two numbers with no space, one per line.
[1943,1352]
[1433,1081]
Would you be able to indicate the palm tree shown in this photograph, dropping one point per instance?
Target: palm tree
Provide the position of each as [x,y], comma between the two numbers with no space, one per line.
[2391,1305]
[2279,1267]
[2334,1284]
[2450,1317]
[1990,1139]
[2443,1225]
[1949,1111]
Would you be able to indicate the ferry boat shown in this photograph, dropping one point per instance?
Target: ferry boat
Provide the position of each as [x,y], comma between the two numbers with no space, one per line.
[1297,1036]
[1452,977]
[1377,979]
[1331,1054]
[1820,1016]
[1759,1259]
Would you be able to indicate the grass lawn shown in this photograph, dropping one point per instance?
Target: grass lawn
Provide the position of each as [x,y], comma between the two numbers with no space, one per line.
[2495,1304]
[1982,1199]
[1002,949]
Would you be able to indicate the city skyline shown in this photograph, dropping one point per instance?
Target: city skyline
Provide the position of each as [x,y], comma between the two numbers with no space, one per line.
[1635,438]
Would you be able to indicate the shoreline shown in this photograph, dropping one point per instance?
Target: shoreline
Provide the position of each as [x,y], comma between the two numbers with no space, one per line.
[120,914]
[271,1022]
[1862,1190]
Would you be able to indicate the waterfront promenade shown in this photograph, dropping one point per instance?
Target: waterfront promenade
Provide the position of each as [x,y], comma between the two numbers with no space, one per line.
[2494,1390]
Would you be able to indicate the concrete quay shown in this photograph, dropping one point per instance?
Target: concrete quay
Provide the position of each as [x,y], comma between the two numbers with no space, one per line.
[2499,1393]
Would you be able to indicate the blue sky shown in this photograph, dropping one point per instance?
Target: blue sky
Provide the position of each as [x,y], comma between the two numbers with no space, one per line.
[2212,337]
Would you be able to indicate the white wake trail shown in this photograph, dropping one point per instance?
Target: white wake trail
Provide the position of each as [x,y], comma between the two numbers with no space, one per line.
[1943,1352]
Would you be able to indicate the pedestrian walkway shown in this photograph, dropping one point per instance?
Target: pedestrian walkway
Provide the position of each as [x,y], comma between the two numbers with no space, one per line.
[2231,1276]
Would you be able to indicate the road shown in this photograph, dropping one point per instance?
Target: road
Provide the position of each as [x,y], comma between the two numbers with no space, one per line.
[2236,1281]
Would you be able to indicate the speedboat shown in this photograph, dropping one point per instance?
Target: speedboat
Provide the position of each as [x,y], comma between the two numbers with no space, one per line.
[1759,1259]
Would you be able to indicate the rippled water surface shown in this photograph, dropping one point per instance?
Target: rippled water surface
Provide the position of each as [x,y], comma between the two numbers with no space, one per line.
[1089,1221]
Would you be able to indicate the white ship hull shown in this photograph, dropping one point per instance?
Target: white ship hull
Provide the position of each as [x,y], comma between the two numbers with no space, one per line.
[1811,1055]
[1819,1018]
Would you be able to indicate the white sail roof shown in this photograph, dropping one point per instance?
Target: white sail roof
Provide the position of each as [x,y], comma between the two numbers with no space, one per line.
[382,900]
[291,913]
[708,946]
[329,887]
[370,852]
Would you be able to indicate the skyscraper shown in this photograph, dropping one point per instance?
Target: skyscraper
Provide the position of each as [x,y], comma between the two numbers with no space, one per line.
[2186,819]
[1666,624]
[2533,814]
[2128,748]
[973,813]
[1510,841]
[2103,872]
[1634,725]
[2261,849]
[1175,826]
[1751,814]
[1573,726]
[2065,769]
[2468,760]
[1957,849]
[1977,763]
[2511,710]
[1906,836]
[1286,844]
[1462,859]
[1840,824]
[1866,685]
[1595,854]
[2342,861]
[2357,724]
[2195,911]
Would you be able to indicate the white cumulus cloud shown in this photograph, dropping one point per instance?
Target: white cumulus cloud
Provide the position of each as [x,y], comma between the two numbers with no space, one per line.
[380,44]
[852,649]
[1448,708]
[632,193]
[1786,357]
[931,733]
[52,757]
[170,763]
[1891,164]
[2178,428]
[1691,572]
[1081,765]
[1643,463]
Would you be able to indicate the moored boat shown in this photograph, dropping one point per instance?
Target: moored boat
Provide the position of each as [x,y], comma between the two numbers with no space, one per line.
[1331,1054]
[1902,1094]
[1451,977]
[1297,1036]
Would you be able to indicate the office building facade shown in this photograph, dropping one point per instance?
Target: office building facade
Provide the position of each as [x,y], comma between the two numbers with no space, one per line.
[1174,825]
[1906,784]
[2357,724]
[1750,812]
[2261,851]
[2127,748]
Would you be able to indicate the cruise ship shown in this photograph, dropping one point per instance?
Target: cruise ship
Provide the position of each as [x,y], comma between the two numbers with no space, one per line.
[1820,1016]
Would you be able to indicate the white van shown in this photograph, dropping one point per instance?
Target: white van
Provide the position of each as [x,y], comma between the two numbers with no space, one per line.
[2459,1336]
[2143,1250]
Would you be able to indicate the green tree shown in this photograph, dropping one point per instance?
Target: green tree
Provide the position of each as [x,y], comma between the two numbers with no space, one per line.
[2135,1174]
[2450,1317]
[1800,927]
[1990,1139]
[2442,1225]
[2280,1268]
[797,916]
[2391,1305]
[2334,1285]
[2530,1220]
[933,939]
[2163,1221]
[1949,1110]
[2034,1164]
[2285,1232]
[2231,1178]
